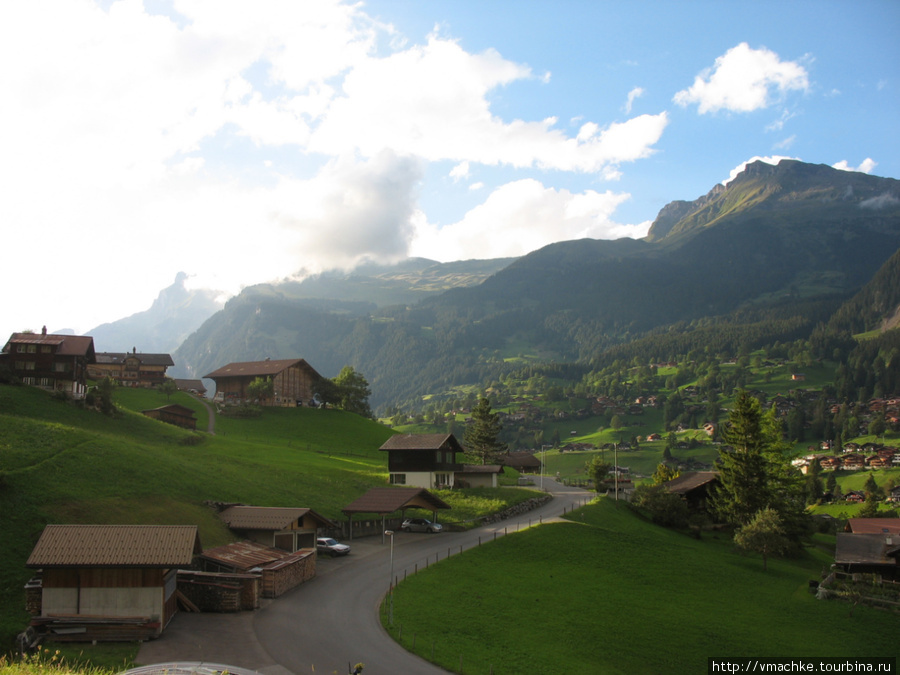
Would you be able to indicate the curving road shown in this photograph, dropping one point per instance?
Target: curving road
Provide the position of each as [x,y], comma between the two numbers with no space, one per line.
[332,620]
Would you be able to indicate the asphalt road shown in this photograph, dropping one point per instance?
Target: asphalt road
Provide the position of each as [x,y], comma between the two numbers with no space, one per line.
[332,621]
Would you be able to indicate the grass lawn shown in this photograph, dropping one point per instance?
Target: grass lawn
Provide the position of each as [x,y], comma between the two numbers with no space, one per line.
[611,593]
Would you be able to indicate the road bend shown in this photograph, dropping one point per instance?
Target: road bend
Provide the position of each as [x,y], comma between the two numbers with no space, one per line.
[333,620]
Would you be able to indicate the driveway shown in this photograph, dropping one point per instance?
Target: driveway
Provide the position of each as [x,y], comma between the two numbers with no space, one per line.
[332,620]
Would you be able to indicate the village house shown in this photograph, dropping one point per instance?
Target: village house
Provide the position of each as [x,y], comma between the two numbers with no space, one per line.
[868,554]
[51,362]
[522,461]
[423,460]
[294,381]
[695,486]
[131,369]
[108,580]
[477,475]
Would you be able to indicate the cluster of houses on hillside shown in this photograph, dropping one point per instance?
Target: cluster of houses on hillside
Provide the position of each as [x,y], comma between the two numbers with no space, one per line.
[854,458]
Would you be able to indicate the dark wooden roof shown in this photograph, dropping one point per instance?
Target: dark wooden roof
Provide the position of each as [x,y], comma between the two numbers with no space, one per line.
[188,385]
[66,345]
[866,549]
[422,442]
[114,358]
[174,408]
[259,368]
[690,480]
[115,546]
[268,517]
[388,500]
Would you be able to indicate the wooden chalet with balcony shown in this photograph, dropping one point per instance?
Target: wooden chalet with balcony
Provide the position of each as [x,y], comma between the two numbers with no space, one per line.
[294,381]
[51,362]
[131,369]
[423,460]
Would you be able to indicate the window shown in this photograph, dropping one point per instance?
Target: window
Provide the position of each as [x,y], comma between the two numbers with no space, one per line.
[32,349]
[398,479]
[60,367]
[29,365]
[45,349]
[28,380]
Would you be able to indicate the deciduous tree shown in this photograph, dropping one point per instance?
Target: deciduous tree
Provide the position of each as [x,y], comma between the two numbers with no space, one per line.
[764,534]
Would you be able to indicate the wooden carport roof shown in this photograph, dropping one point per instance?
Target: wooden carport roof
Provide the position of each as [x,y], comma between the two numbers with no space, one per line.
[383,501]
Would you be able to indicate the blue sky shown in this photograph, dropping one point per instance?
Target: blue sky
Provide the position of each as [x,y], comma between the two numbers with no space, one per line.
[248,142]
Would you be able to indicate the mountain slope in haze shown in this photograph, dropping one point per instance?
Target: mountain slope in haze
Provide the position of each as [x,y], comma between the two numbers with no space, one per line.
[176,313]
[774,235]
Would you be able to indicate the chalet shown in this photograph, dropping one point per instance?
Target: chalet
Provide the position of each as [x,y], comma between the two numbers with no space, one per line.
[109,575]
[477,475]
[286,528]
[295,381]
[423,460]
[695,486]
[830,463]
[52,362]
[179,415]
[873,526]
[131,369]
[523,462]
[855,496]
[895,495]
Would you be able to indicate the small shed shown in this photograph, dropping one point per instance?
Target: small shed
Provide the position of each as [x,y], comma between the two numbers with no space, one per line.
[478,475]
[110,582]
[173,413]
[287,528]
[387,500]
[695,486]
[868,553]
[280,571]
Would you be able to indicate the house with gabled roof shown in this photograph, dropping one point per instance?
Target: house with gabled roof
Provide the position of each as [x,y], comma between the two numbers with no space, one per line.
[51,362]
[93,577]
[173,413]
[695,486]
[131,369]
[423,460]
[294,381]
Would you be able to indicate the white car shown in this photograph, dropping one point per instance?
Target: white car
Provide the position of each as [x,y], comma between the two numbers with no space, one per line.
[331,546]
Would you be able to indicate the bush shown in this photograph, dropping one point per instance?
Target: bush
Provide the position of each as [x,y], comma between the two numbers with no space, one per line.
[664,508]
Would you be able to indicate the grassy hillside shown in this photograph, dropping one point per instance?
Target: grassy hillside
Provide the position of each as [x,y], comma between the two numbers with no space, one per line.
[62,464]
[611,593]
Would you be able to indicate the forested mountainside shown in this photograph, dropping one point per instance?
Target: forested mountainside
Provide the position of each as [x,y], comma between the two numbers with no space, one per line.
[766,258]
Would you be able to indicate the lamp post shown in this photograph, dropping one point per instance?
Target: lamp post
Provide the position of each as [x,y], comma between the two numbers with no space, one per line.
[390,533]
[543,460]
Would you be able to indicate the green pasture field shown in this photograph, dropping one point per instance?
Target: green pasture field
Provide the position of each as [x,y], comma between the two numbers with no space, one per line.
[611,593]
[60,463]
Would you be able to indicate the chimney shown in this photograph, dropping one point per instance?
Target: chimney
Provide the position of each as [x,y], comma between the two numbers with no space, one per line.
[134,350]
[44,330]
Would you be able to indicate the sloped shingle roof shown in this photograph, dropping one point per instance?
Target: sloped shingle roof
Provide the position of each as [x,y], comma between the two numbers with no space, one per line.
[267,517]
[259,368]
[67,345]
[115,546]
[147,359]
[690,480]
[422,442]
[387,500]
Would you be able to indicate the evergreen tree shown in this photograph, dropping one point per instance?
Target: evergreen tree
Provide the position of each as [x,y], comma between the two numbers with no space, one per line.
[482,435]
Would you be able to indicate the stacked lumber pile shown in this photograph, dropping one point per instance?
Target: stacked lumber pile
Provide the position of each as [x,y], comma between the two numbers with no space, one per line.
[82,628]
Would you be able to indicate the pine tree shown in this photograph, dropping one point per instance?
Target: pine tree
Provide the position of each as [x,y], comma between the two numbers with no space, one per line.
[482,435]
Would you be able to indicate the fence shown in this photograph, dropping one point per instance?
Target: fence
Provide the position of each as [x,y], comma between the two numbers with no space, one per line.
[432,645]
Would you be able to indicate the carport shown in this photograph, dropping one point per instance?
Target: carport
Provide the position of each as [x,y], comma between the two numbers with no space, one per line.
[387,500]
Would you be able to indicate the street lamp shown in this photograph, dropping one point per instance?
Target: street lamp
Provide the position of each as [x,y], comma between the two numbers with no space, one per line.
[390,533]
[543,459]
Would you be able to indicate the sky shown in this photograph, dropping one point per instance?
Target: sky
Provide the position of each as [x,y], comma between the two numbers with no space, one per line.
[242,143]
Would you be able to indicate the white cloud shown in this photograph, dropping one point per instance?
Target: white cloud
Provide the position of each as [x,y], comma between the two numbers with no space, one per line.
[520,217]
[866,166]
[785,143]
[635,93]
[460,171]
[742,80]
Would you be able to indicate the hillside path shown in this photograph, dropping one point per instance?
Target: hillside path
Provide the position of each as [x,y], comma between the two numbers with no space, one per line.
[333,619]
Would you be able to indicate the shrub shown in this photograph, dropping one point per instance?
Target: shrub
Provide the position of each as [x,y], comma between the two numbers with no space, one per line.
[664,508]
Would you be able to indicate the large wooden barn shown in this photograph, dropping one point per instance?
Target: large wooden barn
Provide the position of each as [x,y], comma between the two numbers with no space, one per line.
[294,381]
[112,580]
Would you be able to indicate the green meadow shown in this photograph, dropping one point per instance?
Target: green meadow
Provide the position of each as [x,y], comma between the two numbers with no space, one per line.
[60,463]
[608,592]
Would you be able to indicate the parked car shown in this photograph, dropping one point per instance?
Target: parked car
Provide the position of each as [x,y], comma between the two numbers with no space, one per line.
[420,525]
[331,547]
